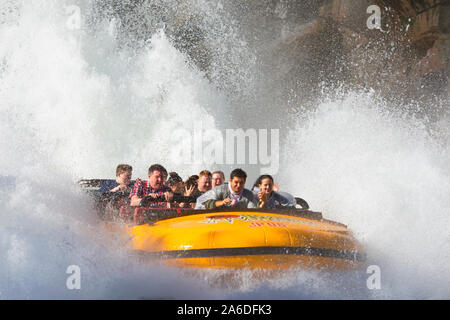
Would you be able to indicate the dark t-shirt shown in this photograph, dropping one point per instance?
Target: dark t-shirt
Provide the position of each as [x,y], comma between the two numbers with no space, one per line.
[197,193]
[109,185]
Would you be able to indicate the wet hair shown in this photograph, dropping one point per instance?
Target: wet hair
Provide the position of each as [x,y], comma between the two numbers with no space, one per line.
[121,168]
[157,167]
[174,178]
[204,173]
[238,173]
[260,179]
[191,181]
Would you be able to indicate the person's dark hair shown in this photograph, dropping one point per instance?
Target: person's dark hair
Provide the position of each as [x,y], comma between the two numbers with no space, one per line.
[191,181]
[157,167]
[260,179]
[174,178]
[238,173]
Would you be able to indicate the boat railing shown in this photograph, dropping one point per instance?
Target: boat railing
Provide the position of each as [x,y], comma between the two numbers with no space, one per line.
[119,207]
[146,215]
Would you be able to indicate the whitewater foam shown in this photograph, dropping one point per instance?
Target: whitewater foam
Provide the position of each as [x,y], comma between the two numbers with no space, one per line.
[74,104]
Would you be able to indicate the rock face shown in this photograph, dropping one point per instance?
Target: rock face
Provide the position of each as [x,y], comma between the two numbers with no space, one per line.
[399,48]
[406,57]
[430,39]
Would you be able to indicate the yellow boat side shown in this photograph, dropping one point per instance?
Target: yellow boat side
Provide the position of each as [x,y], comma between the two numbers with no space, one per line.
[248,239]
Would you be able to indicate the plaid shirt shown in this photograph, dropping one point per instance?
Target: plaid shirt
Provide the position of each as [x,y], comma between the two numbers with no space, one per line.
[143,188]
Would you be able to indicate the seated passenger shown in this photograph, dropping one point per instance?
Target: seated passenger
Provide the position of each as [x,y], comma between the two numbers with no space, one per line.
[175,183]
[201,195]
[268,198]
[181,188]
[122,182]
[232,194]
[154,187]
[203,184]
[218,178]
[255,187]
[190,185]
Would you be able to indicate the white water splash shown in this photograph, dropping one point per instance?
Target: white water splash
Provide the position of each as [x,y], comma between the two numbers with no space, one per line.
[74,105]
[384,175]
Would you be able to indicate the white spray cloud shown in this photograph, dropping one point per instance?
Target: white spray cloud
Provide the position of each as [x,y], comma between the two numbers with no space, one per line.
[74,105]
[382,174]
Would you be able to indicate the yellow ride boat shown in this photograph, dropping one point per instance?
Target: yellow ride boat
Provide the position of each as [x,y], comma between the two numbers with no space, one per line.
[261,239]
[246,238]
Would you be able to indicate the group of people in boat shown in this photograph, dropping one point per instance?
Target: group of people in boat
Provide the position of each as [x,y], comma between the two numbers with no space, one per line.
[209,189]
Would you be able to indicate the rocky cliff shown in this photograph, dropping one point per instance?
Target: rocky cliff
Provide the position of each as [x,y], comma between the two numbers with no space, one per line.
[400,49]
[406,56]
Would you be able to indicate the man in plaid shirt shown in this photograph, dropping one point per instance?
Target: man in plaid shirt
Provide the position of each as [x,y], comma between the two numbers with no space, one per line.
[154,187]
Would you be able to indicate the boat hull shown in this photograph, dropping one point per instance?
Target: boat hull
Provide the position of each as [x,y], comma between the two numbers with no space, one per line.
[252,239]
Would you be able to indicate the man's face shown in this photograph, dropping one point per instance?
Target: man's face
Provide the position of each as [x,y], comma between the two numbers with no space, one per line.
[237,184]
[156,179]
[217,180]
[124,177]
[204,183]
